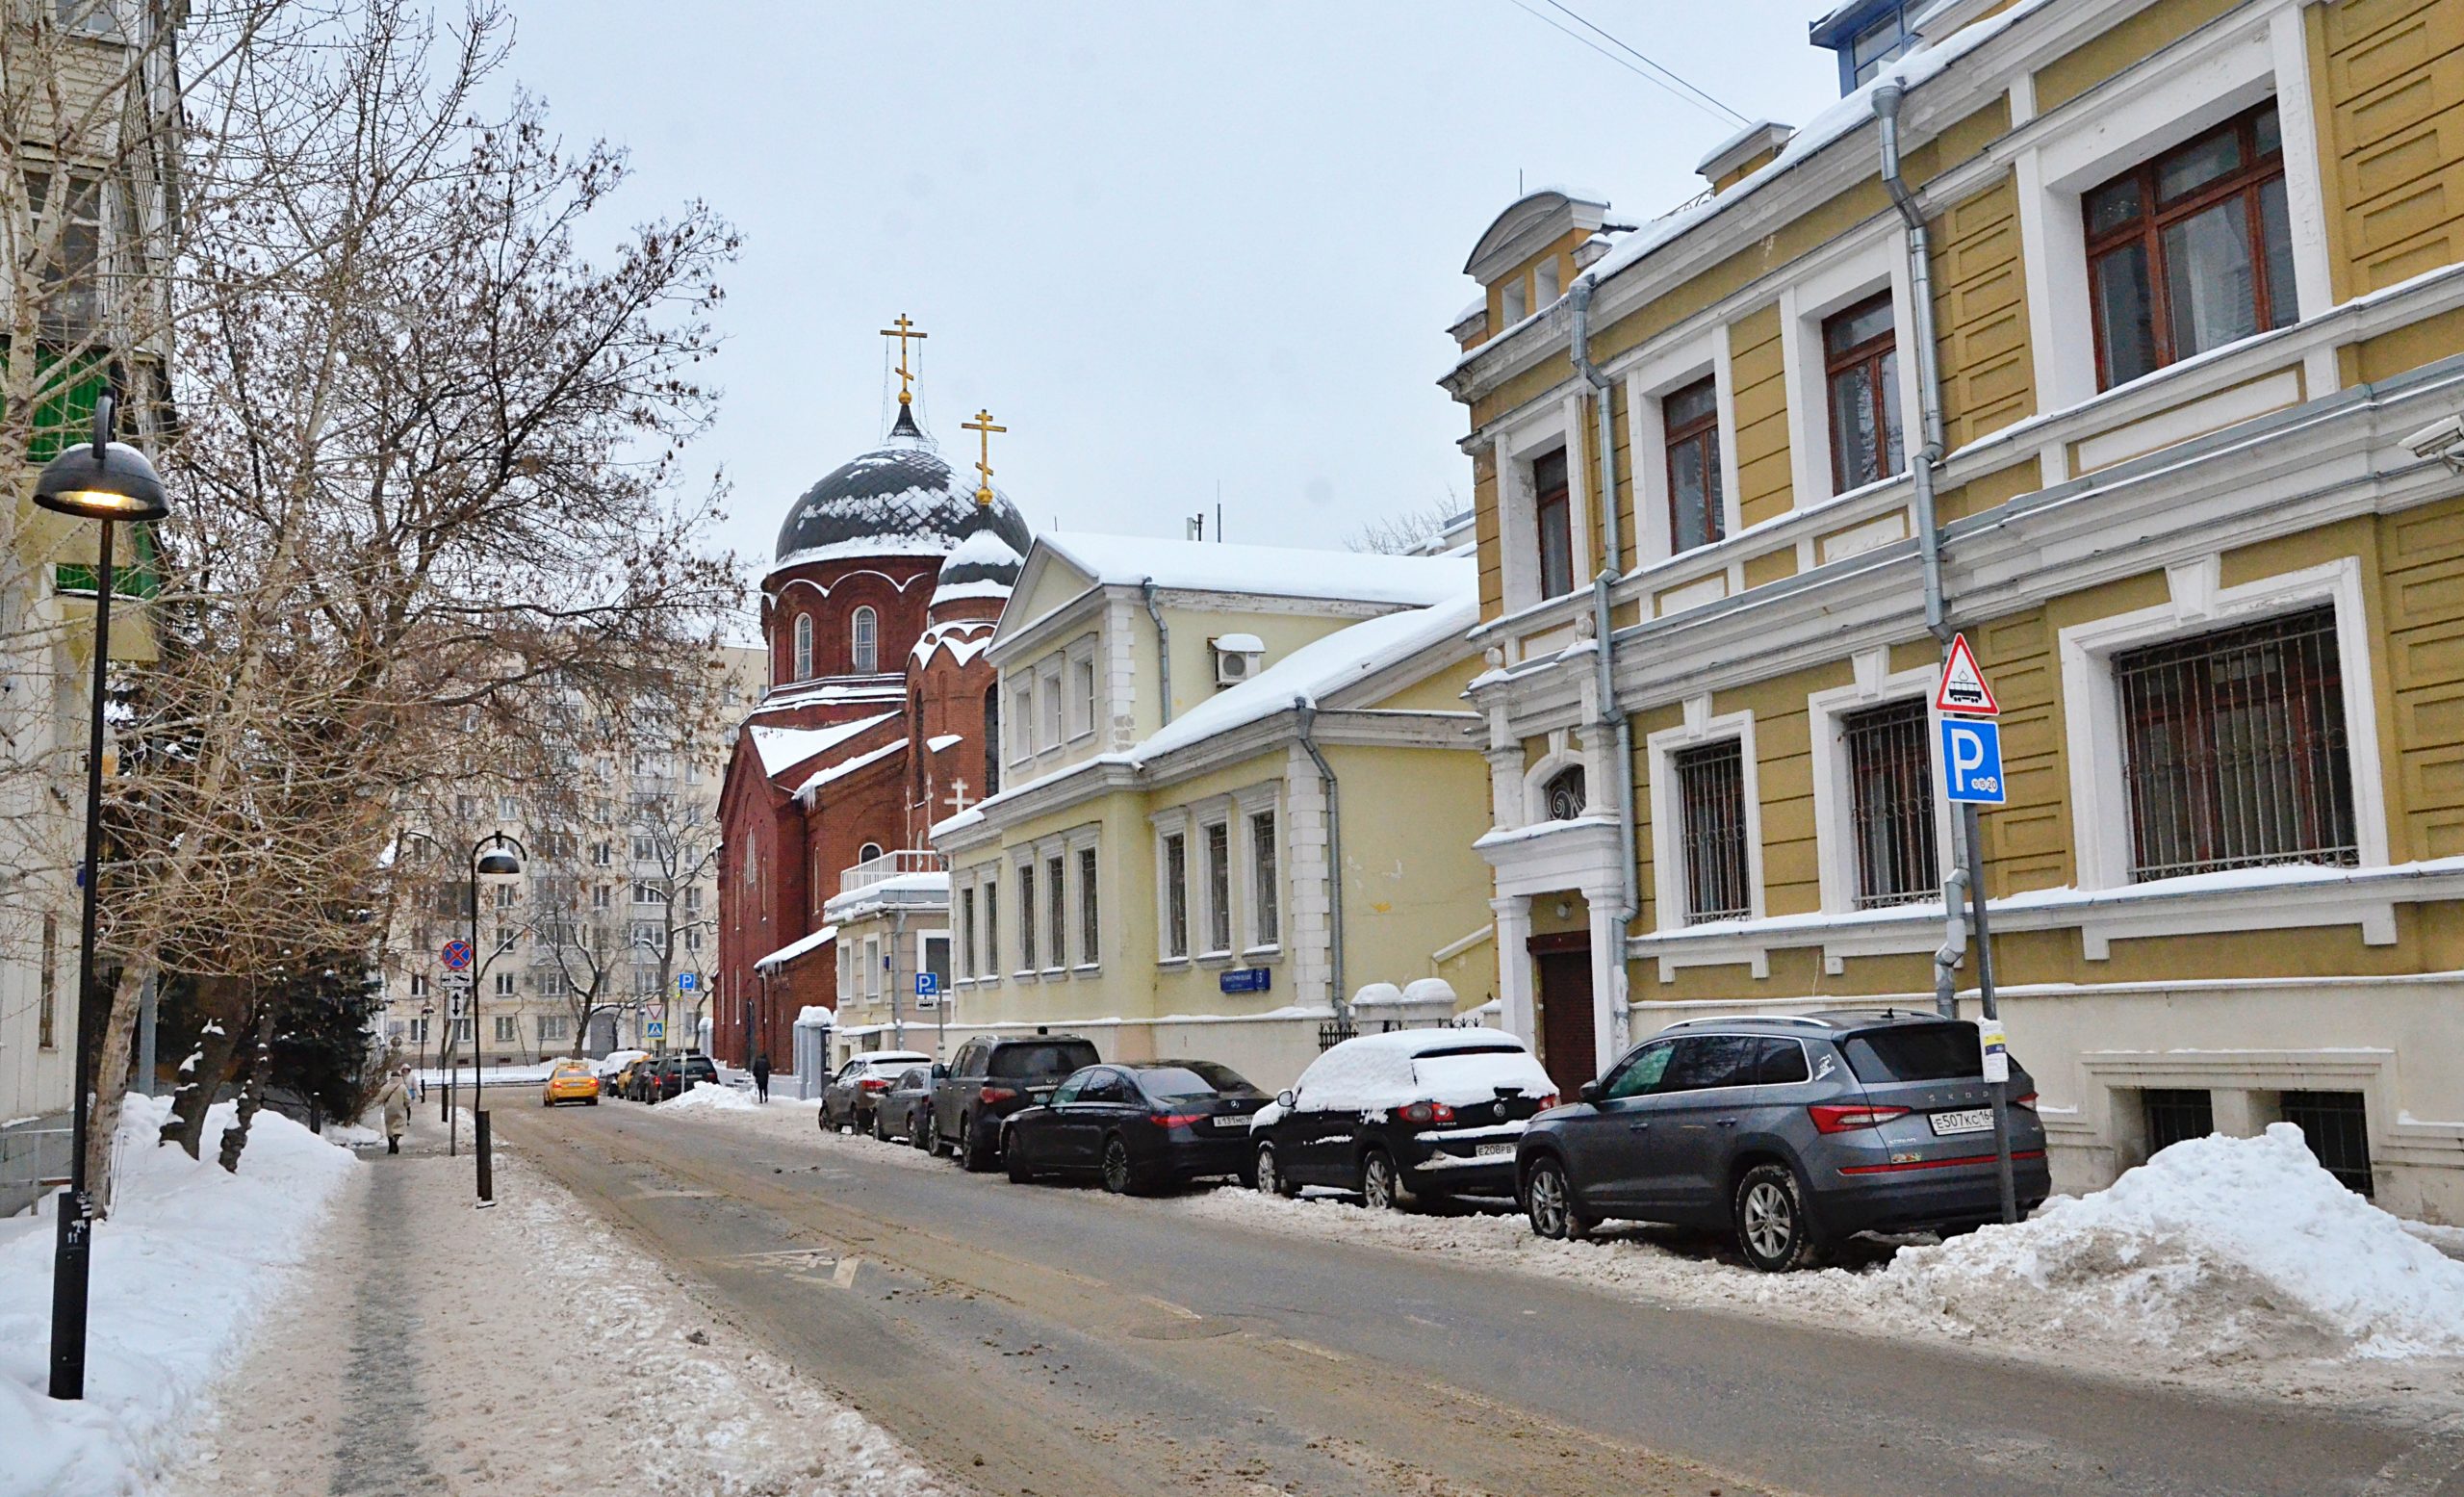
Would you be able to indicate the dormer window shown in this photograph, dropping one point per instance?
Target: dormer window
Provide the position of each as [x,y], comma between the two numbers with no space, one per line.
[1544,283]
[1513,302]
[1237,657]
[1867,37]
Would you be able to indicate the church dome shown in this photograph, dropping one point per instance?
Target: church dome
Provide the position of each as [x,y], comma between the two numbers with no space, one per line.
[903,499]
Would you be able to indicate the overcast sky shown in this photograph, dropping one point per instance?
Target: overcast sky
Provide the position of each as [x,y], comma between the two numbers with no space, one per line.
[1171,245]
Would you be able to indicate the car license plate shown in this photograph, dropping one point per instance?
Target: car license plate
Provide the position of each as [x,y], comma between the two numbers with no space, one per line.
[1235,1119]
[1492,1150]
[1975,1120]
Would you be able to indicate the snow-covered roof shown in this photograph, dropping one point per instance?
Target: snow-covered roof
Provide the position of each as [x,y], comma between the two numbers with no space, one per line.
[1322,667]
[845,767]
[942,740]
[902,498]
[796,949]
[904,889]
[1271,571]
[783,748]
[963,638]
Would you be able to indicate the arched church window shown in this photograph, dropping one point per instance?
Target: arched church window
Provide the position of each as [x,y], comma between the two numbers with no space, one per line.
[1564,795]
[865,632]
[868,852]
[803,647]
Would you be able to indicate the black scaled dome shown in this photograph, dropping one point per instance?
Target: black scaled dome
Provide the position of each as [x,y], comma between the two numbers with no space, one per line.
[901,498]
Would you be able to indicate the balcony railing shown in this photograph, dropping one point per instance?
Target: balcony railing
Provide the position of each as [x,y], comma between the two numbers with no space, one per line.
[890,866]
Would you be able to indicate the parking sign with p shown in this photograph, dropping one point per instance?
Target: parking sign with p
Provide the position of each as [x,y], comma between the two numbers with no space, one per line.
[1972,761]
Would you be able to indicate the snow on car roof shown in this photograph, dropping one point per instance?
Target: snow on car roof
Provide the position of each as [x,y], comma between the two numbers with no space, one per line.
[1377,1069]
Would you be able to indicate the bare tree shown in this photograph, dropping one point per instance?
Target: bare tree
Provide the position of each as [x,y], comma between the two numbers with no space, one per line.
[1407,531]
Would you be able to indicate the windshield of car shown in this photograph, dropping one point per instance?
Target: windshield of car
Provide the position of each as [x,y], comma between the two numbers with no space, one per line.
[1041,1062]
[1917,1052]
[1194,1080]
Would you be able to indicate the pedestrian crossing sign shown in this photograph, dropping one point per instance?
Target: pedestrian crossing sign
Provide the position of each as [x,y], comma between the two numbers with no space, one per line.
[654,1029]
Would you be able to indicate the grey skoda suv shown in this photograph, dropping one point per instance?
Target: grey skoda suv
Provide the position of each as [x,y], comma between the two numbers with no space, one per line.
[1792,1133]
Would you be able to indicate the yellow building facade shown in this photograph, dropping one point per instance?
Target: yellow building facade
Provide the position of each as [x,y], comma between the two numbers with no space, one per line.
[2188,271]
[1240,784]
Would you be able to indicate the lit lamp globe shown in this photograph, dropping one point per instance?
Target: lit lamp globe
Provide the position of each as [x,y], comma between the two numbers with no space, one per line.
[121,485]
[497,862]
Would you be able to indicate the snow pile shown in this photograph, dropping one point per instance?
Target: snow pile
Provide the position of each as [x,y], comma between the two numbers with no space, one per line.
[187,1260]
[2216,1249]
[707,1098]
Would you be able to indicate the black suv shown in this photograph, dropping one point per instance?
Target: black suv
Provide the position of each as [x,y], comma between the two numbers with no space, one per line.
[989,1079]
[673,1075]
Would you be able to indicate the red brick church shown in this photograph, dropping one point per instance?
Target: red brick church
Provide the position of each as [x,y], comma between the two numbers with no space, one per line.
[890,574]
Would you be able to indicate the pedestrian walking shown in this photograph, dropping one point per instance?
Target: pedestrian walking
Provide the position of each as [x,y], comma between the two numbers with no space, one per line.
[396,1097]
[762,1077]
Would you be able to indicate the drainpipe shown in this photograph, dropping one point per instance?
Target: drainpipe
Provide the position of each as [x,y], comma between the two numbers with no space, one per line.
[1929,545]
[1163,645]
[1619,785]
[1334,858]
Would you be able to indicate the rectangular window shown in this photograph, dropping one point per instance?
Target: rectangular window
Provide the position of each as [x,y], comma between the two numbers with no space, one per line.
[504,983]
[1552,520]
[1026,917]
[936,960]
[1048,686]
[419,1031]
[48,1015]
[1057,914]
[1022,717]
[873,967]
[508,1029]
[2336,1127]
[1697,514]
[1091,945]
[645,849]
[601,895]
[1266,908]
[1218,887]
[462,1032]
[2191,251]
[645,893]
[2234,749]
[508,808]
[2173,1114]
[1711,789]
[1870,49]
[555,1028]
[1176,895]
[992,929]
[1082,685]
[71,299]
[966,932]
[1890,775]
[504,896]
[1861,368]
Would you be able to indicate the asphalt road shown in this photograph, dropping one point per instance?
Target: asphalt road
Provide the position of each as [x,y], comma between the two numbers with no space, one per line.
[1040,1340]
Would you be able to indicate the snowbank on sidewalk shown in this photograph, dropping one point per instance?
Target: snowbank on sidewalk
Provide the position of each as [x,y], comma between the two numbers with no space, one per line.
[181,1271]
[706,1097]
[2217,1250]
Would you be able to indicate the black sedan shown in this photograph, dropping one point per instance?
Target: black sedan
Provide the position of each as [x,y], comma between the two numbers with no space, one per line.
[899,1112]
[1137,1128]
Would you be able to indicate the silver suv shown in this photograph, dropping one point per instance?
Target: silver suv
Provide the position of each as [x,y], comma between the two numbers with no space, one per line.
[1790,1133]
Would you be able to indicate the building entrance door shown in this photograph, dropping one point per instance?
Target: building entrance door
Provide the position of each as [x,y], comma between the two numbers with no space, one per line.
[1566,1047]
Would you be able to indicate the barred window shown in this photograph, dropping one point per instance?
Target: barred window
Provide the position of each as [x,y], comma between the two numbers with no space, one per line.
[1564,794]
[2234,749]
[1026,917]
[1891,804]
[1176,896]
[1056,912]
[1091,945]
[1219,887]
[1711,791]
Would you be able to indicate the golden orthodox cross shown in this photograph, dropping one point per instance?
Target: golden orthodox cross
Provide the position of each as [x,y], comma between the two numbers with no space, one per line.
[983,428]
[902,329]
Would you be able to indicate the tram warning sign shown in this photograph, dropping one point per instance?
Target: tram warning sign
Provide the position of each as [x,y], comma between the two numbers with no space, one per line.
[1963,691]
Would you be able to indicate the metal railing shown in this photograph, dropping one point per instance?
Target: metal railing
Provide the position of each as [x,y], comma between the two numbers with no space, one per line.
[890,866]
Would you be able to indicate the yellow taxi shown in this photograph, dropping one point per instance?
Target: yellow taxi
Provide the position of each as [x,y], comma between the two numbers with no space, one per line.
[572,1081]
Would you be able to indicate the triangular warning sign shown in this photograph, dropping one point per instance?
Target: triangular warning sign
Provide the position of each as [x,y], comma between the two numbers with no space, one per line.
[1964,690]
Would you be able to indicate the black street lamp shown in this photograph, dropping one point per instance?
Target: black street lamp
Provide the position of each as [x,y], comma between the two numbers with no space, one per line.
[497,855]
[110,482]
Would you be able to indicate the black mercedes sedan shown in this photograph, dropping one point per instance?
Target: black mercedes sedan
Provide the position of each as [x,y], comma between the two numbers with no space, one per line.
[1137,1128]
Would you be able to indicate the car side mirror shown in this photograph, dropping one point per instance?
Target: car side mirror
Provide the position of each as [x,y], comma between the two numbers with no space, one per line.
[940,1072]
[1589,1091]
[1285,1098]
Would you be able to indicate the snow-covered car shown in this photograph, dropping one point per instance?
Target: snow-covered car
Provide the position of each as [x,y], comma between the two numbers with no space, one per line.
[1402,1114]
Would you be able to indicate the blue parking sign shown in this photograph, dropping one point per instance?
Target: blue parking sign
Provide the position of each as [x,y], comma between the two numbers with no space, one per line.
[927,985]
[1972,761]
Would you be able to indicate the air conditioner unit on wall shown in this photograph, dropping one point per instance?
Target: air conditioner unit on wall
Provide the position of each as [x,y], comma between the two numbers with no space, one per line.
[1237,657]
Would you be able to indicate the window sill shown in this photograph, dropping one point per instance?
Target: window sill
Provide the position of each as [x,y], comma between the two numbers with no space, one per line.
[1265,953]
[1215,959]
[1087,970]
[1172,960]
[1052,973]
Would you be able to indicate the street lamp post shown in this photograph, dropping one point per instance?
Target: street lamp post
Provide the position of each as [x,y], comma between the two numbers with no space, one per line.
[489,858]
[110,483]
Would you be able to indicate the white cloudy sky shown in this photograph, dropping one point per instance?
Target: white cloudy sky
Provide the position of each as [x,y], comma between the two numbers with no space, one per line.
[1171,245]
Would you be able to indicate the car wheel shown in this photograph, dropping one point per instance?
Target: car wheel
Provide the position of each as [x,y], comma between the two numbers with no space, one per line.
[1381,1184]
[1120,1178]
[1773,1230]
[1549,1199]
[1268,1177]
[917,1135]
[880,1126]
[1019,1173]
[972,1155]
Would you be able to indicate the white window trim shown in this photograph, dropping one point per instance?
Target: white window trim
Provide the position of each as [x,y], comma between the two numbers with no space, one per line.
[1650,382]
[1217,814]
[1668,852]
[1081,653]
[1088,839]
[1536,437]
[1834,799]
[1173,823]
[1055,963]
[1019,690]
[1246,805]
[1050,708]
[1023,864]
[2164,106]
[962,928]
[2099,796]
[1848,273]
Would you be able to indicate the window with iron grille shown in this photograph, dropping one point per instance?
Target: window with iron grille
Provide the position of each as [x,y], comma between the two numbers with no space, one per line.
[1891,779]
[1176,896]
[1026,917]
[1565,794]
[2174,1114]
[1091,945]
[1219,887]
[2336,1127]
[2234,749]
[1056,912]
[1711,792]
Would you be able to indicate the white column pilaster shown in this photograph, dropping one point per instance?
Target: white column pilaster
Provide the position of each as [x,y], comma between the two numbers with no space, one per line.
[1514,967]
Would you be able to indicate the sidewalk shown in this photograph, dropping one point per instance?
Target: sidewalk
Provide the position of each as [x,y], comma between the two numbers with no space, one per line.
[441,1349]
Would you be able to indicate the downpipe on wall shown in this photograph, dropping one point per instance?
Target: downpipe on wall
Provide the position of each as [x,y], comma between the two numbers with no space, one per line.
[1620,727]
[1162,647]
[1306,730]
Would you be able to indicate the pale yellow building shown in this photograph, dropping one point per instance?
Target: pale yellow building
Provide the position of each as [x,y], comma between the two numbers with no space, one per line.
[1238,786]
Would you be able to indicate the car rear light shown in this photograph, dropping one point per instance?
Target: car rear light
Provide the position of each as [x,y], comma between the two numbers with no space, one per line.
[1427,1113]
[1548,1102]
[872,1084]
[995,1094]
[2026,1099]
[1835,1118]
[1177,1119]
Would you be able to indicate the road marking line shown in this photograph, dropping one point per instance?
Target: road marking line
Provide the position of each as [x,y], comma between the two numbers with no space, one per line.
[1315,1351]
[1170,1308]
[844,1276]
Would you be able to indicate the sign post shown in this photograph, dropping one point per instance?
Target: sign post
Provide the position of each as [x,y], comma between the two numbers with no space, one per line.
[1971,755]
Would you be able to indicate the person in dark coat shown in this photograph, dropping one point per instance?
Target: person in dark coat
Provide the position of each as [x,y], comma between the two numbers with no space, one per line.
[762,1077]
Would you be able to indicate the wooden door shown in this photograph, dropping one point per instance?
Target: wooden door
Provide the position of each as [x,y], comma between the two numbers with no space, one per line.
[1567,1051]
